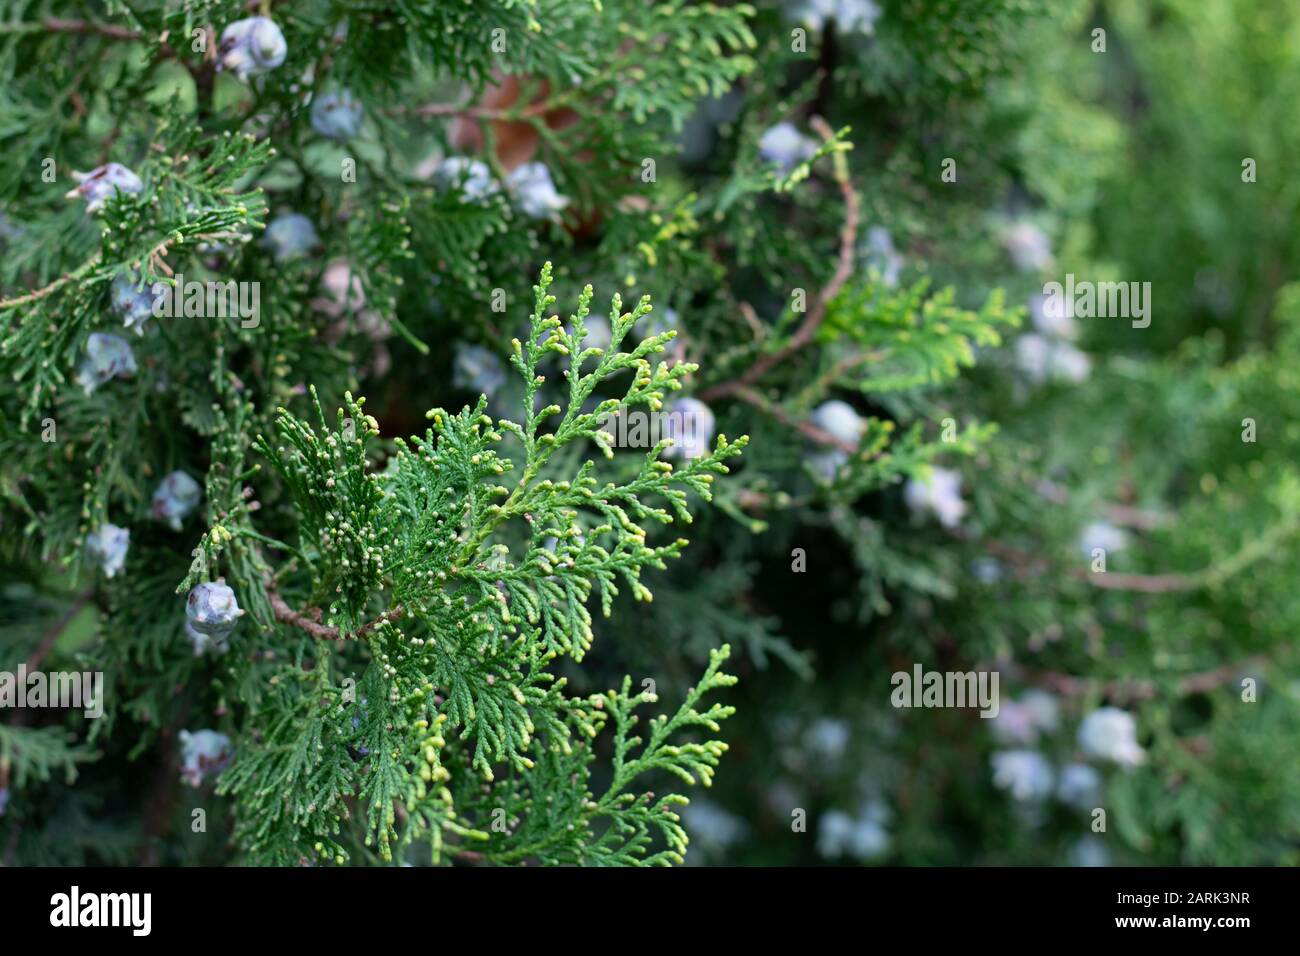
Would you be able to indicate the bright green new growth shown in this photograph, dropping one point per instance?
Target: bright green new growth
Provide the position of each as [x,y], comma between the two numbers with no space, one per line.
[438,565]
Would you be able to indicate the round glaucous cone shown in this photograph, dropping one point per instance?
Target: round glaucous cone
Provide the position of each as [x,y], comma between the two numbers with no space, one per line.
[109,545]
[337,115]
[212,609]
[175,498]
[290,236]
[204,753]
[134,305]
[251,47]
[517,142]
[101,183]
[107,357]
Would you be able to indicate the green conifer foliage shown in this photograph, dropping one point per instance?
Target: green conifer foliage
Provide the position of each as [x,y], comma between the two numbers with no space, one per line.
[480,616]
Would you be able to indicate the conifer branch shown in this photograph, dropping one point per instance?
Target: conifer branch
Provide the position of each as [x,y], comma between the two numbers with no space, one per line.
[61,25]
[1129,689]
[1146,583]
[86,28]
[310,622]
[402,685]
[751,396]
[52,287]
[51,636]
[848,238]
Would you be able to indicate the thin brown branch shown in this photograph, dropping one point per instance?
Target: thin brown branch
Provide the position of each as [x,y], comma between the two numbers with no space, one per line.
[1123,515]
[468,110]
[325,632]
[1218,676]
[311,624]
[52,635]
[815,316]
[1027,563]
[163,791]
[43,647]
[57,25]
[52,287]
[1125,689]
[751,319]
[391,614]
[107,30]
[819,435]
[1130,517]
[1147,583]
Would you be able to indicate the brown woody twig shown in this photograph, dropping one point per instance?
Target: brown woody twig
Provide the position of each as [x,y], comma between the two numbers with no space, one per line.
[813,320]
[819,435]
[1068,685]
[325,632]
